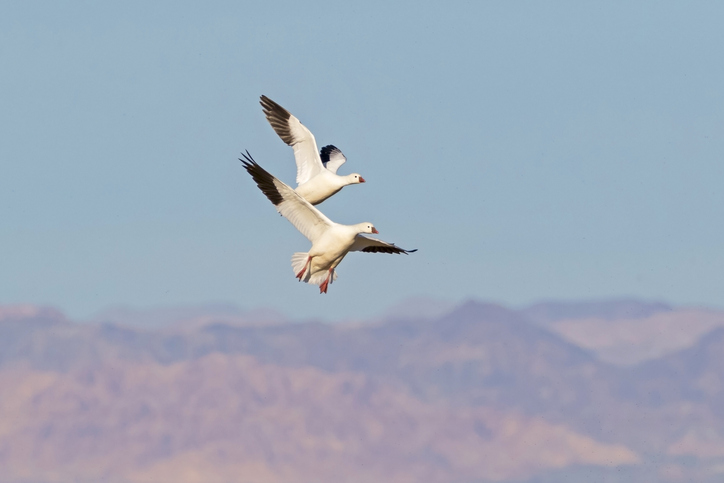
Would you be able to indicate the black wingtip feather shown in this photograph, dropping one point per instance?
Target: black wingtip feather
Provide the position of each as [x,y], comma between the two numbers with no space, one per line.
[263,179]
[278,117]
[326,152]
[392,249]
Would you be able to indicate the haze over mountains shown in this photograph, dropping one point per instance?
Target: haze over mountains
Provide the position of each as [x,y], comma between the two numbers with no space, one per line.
[609,391]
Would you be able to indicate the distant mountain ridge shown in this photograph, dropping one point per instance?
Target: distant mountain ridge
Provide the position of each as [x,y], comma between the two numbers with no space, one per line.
[614,309]
[465,379]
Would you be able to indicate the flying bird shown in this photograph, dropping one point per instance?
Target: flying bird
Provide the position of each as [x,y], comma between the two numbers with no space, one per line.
[317,177]
[330,241]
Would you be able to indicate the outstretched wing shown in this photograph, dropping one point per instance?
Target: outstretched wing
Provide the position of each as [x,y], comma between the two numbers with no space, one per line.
[295,135]
[332,158]
[306,218]
[373,245]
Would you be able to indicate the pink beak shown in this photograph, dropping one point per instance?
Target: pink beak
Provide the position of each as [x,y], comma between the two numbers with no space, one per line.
[374,230]
[361,179]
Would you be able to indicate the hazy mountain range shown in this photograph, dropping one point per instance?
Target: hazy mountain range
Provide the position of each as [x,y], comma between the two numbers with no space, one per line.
[606,391]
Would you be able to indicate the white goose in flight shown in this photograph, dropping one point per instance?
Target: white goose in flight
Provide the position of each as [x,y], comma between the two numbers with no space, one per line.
[330,241]
[317,177]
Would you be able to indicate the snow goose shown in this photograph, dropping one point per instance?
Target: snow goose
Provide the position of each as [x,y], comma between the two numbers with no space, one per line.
[317,177]
[330,241]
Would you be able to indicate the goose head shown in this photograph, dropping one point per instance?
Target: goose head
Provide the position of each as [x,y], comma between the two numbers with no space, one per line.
[367,228]
[355,178]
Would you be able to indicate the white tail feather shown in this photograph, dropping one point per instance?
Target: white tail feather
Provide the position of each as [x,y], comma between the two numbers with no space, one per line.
[299,260]
[318,277]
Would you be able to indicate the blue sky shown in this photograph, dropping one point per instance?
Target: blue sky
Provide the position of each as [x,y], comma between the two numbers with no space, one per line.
[528,150]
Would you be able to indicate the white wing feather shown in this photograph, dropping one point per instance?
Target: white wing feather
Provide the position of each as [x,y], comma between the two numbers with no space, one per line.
[373,245]
[334,157]
[296,135]
[306,218]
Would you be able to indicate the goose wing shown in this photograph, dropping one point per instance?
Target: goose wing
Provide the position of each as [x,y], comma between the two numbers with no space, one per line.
[296,135]
[332,158]
[373,245]
[306,218]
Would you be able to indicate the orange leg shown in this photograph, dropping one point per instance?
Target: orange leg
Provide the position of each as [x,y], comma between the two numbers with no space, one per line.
[325,285]
[301,274]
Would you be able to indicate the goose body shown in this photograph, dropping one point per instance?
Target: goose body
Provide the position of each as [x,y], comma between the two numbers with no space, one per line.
[317,177]
[330,241]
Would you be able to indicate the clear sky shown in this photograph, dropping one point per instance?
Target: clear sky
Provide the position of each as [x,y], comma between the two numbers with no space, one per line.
[528,150]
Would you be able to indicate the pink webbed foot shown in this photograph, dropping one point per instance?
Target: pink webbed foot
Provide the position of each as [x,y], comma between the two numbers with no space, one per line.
[301,273]
[325,285]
